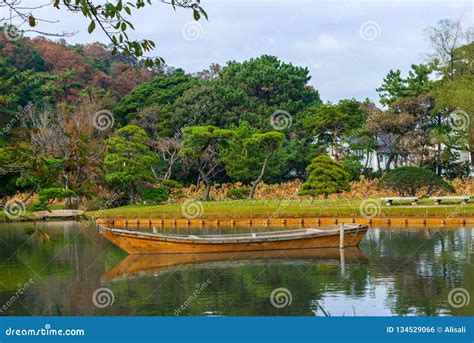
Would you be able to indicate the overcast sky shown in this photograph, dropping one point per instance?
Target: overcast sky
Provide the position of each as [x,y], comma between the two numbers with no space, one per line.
[348,46]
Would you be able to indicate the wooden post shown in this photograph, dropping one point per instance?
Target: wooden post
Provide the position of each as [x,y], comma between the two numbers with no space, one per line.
[341,236]
[343,262]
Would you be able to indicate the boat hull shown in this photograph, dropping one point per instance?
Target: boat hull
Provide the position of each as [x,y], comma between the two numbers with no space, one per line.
[138,265]
[134,243]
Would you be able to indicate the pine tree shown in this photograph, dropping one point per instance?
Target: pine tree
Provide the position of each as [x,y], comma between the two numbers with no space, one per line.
[326,176]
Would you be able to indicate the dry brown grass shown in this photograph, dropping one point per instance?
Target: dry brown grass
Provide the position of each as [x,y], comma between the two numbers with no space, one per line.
[289,190]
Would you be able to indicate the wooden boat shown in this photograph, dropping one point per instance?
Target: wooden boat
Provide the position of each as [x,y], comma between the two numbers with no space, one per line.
[152,265]
[137,242]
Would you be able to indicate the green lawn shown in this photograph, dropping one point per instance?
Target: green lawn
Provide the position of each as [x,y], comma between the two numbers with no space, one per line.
[278,209]
[286,208]
[26,216]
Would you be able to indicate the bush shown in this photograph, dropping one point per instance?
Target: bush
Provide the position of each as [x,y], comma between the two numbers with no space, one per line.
[326,176]
[48,195]
[52,194]
[409,181]
[238,193]
[155,196]
[171,184]
[353,166]
[38,206]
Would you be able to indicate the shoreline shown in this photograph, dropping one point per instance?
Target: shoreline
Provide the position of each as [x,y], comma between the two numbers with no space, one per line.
[276,213]
[400,222]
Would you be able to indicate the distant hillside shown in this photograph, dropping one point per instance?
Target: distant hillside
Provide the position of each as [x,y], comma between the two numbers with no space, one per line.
[40,70]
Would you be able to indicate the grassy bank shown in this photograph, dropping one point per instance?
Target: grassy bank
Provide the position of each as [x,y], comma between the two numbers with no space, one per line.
[286,208]
[27,216]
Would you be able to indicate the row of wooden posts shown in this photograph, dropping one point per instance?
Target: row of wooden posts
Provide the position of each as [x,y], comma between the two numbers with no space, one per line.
[434,222]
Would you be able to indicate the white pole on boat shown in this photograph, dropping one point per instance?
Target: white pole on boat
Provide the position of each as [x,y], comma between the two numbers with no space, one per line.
[341,236]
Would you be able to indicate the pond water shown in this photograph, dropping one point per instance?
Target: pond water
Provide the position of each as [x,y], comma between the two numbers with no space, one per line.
[67,268]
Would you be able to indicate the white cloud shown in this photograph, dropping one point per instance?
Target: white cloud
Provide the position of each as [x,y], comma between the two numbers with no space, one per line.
[327,43]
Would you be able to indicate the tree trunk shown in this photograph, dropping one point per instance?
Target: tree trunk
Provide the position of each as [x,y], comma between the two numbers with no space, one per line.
[378,161]
[389,162]
[207,181]
[168,172]
[439,170]
[472,160]
[207,191]
[28,196]
[132,194]
[335,148]
[260,177]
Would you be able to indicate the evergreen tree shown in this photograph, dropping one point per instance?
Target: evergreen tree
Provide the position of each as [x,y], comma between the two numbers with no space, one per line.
[326,176]
[129,162]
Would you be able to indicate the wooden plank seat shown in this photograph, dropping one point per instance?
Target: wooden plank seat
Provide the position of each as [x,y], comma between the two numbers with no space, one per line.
[463,199]
[390,200]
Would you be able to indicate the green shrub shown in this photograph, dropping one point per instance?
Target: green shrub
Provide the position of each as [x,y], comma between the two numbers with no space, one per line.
[155,196]
[38,206]
[409,181]
[353,166]
[326,176]
[238,193]
[171,184]
[52,194]
[48,195]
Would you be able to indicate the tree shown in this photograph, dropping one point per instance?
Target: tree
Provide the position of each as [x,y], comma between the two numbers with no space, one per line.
[198,106]
[255,89]
[161,93]
[201,149]
[169,149]
[129,163]
[326,176]
[248,155]
[17,90]
[267,143]
[446,37]
[455,97]
[25,170]
[70,134]
[332,124]
[112,18]
[395,86]
[409,181]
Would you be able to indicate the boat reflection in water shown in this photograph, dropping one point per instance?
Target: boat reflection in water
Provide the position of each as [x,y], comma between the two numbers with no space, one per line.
[154,264]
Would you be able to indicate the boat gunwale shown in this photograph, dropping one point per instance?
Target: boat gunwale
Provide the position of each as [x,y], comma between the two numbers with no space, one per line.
[276,236]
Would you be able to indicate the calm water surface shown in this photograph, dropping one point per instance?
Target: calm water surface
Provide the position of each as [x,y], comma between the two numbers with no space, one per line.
[395,272]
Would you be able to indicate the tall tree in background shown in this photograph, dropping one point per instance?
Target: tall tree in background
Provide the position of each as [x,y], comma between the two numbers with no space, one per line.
[169,149]
[333,124]
[201,149]
[248,156]
[129,163]
[69,134]
[445,38]
[161,93]
[254,89]
[395,87]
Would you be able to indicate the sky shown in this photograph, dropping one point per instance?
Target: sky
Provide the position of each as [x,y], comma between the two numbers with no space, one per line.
[348,46]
